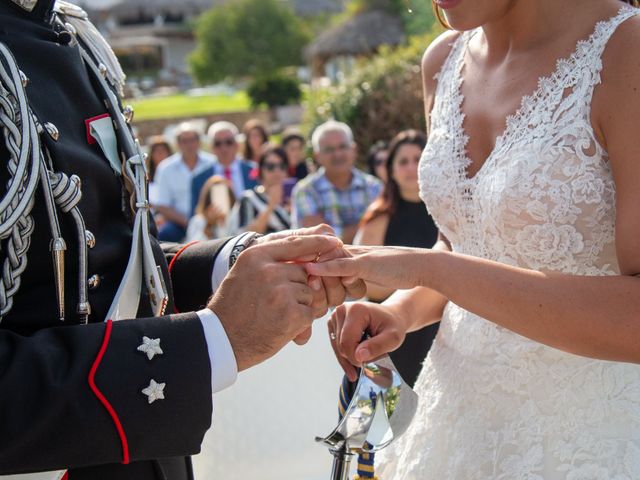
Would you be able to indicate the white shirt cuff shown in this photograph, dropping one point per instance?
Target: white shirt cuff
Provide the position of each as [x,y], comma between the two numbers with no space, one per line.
[221,265]
[224,369]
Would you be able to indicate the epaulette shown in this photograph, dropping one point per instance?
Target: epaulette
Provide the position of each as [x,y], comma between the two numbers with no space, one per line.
[77,20]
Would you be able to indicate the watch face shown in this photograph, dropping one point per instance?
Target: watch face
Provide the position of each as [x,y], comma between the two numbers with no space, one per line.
[27,5]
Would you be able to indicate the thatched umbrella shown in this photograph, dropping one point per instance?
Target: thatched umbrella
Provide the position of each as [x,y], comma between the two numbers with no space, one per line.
[361,35]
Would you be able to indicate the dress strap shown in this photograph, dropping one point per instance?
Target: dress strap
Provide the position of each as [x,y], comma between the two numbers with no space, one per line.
[589,52]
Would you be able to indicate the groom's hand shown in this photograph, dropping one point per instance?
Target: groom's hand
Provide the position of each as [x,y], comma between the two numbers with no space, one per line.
[266,300]
[334,291]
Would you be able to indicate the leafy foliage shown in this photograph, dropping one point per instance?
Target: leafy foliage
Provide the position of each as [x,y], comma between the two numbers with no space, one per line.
[381,97]
[275,90]
[246,38]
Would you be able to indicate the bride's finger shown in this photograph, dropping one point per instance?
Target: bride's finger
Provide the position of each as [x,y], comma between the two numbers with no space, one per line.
[349,369]
[355,324]
[338,317]
[386,341]
[340,267]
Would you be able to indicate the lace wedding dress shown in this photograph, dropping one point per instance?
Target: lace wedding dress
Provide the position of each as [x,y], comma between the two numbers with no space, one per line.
[495,405]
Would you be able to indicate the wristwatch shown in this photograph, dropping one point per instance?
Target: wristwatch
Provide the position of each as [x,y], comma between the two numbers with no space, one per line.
[244,243]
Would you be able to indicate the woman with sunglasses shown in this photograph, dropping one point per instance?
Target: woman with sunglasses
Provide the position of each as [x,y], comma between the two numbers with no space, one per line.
[262,209]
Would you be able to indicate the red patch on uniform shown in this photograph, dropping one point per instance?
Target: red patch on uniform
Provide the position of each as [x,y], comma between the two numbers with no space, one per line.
[87,124]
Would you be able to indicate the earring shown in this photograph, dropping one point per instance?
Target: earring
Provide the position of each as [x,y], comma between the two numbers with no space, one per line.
[440,16]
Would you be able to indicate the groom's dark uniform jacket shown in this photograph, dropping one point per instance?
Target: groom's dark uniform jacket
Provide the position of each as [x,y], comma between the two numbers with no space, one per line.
[50,417]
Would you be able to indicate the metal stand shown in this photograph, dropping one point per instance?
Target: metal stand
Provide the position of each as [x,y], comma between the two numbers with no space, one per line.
[341,464]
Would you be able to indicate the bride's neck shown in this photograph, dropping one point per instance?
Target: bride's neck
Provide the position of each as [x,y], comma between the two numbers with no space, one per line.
[527,24]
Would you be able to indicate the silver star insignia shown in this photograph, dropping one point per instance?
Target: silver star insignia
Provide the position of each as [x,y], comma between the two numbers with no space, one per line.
[155,391]
[150,346]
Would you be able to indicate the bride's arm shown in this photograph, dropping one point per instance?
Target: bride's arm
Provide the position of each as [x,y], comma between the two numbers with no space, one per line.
[419,306]
[596,317]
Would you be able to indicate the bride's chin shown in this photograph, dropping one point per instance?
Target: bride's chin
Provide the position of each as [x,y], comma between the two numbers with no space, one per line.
[462,24]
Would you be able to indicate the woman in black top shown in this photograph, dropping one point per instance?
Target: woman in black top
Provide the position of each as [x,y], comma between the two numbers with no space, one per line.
[399,218]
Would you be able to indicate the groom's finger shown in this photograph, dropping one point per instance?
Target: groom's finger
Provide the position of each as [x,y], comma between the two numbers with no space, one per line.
[355,287]
[296,247]
[303,338]
[340,267]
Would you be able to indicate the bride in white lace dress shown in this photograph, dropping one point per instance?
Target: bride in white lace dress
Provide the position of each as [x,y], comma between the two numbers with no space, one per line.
[534,373]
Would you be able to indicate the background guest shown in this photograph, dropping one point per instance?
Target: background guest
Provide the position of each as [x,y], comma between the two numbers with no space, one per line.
[256,137]
[338,194]
[263,208]
[293,143]
[241,174]
[209,221]
[377,160]
[174,177]
[399,218]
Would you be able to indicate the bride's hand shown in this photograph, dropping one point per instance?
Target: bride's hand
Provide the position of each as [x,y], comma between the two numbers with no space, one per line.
[392,267]
[349,321]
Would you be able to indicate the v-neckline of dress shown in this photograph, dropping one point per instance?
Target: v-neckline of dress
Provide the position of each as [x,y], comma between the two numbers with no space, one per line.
[528,102]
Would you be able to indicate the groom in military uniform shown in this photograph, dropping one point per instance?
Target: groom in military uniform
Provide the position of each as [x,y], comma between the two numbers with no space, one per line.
[101,376]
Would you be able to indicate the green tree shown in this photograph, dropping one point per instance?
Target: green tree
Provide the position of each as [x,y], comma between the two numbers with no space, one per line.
[246,38]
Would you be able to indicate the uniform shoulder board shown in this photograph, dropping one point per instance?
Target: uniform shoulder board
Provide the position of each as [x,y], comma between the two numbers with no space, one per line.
[93,41]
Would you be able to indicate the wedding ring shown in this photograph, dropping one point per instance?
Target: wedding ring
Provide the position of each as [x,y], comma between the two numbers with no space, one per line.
[332,336]
[317,258]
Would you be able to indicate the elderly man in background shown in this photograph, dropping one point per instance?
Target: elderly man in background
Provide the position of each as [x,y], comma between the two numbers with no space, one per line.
[174,179]
[338,193]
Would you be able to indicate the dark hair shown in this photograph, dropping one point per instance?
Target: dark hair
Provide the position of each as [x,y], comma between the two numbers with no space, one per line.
[376,148]
[635,3]
[290,135]
[156,142]
[248,127]
[387,202]
[279,152]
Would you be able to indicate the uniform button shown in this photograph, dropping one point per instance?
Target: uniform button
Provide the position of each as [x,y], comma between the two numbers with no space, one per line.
[90,238]
[52,130]
[94,281]
[128,113]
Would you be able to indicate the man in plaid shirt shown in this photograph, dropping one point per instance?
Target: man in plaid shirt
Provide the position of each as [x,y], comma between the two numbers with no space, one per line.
[338,193]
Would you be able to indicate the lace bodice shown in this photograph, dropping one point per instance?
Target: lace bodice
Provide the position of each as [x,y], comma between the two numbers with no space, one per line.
[495,405]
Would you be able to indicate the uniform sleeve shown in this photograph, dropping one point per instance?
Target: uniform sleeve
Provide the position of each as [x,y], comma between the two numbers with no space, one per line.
[85,395]
[191,270]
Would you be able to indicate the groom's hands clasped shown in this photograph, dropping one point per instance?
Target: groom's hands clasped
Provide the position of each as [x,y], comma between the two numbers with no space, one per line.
[267,299]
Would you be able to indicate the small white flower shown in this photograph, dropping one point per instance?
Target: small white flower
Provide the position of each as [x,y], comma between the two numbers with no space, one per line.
[150,346]
[155,391]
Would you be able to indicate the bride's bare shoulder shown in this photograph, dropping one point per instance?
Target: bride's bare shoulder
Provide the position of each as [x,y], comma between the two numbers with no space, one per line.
[436,54]
[619,93]
[432,61]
